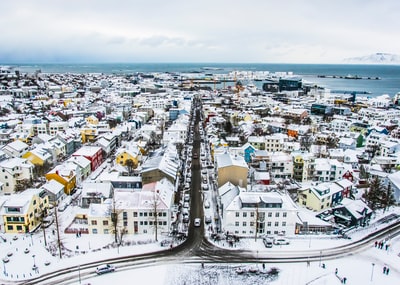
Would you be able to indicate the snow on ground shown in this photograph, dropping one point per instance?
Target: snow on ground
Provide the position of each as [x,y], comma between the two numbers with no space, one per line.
[357,268]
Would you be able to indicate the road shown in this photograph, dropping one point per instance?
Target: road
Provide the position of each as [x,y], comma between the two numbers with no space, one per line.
[198,249]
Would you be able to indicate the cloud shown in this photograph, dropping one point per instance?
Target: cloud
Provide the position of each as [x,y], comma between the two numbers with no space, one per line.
[229,31]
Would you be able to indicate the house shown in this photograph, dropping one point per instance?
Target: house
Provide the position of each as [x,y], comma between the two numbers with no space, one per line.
[232,169]
[39,156]
[64,174]
[248,149]
[261,213]
[121,182]
[324,195]
[138,212]
[95,193]
[93,153]
[164,163]
[54,190]
[352,213]
[393,180]
[84,165]
[22,212]
[16,148]
[13,172]
[129,151]
[303,166]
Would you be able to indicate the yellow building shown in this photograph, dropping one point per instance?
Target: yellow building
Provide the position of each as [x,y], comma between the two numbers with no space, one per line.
[92,120]
[232,169]
[38,156]
[89,134]
[125,155]
[63,175]
[22,213]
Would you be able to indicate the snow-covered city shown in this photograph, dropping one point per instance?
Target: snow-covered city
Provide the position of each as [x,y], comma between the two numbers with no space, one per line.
[203,177]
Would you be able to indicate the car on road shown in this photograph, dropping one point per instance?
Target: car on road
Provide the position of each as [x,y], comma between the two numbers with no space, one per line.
[105,268]
[197,222]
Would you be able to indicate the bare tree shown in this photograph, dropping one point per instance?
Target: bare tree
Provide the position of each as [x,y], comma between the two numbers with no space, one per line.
[116,229]
[155,212]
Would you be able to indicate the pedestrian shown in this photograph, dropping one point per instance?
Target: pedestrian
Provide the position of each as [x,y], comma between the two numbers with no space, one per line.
[387,271]
[336,271]
[376,243]
[263,266]
[344,280]
[384,270]
[387,246]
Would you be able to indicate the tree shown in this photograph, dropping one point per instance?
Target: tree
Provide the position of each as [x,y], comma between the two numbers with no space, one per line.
[155,212]
[115,222]
[129,165]
[388,198]
[379,196]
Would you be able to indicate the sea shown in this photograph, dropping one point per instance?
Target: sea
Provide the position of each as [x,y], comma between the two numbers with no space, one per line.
[374,80]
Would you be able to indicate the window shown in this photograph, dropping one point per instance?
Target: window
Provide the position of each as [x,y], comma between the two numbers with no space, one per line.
[244,214]
[125,223]
[94,223]
[105,231]
[244,224]
[151,214]
[134,214]
[276,224]
[164,214]
[145,214]
[125,215]
[283,224]
[141,223]
[243,232]
[105,223]
[251,224]
[164,223]
[252,214]
[277,215]
[150,223]
[269,214]
[140,214]
[94,231]
[19,228]
[268,224]
[145,223]
[284,214]
[237,214]
[236,224]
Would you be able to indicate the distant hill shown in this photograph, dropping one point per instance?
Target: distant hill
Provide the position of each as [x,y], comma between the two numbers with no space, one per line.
[376,58]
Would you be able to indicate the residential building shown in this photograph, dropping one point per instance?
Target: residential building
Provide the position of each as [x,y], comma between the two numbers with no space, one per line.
[232,169]
[22,212]
[251,213]
[13,172]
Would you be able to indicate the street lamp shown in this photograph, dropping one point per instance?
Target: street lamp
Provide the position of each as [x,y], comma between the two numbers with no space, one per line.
[372,272]
[5,271]
[320,257]
[34,263]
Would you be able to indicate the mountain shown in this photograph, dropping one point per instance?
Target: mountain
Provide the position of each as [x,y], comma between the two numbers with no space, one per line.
[376,58]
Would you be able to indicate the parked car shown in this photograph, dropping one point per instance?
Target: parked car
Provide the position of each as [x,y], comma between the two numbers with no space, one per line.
[268,242]
[281,240]
[105,268]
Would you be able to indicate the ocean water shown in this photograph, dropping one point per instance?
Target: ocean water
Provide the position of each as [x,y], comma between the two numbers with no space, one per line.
[388,83]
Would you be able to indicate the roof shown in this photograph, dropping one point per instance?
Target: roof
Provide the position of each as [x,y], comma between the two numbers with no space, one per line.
[226,160]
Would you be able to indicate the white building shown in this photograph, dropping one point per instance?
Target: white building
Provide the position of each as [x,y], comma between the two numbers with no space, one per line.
[267,213]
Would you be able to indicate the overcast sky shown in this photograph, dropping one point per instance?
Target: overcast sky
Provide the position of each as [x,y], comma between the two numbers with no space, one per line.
[264,31]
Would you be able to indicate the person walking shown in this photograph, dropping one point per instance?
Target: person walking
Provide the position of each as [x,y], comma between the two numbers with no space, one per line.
[387,271]
[384,270]
[336,271]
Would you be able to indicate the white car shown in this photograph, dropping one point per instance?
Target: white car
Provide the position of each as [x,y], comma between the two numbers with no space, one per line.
[280,241]
[197,222]
[105,268]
